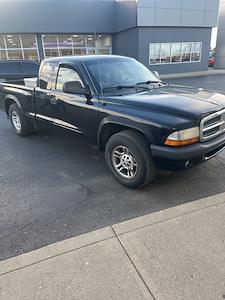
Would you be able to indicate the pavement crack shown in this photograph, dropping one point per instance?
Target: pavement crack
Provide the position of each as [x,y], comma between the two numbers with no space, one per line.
[133,264]
[33,222]
[220,161]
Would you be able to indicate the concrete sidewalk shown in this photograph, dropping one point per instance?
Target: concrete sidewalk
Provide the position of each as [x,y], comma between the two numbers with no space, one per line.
[178,253]
[209,72]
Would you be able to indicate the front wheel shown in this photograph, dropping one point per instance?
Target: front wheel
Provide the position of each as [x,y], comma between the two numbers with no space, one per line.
[129,158]
[19,122]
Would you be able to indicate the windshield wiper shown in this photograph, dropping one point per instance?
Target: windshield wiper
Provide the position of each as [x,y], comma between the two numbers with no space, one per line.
[151,81]
[120,87]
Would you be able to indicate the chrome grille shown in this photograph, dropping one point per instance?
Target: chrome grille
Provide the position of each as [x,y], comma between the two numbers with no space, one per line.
[212,125]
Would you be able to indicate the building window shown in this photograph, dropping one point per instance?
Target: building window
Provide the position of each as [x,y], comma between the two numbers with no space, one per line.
[196,52]
[16,46]
[29,47]
[175,53]
[165,54]
[75,44]
[169,53]
[51,46]
[186,52]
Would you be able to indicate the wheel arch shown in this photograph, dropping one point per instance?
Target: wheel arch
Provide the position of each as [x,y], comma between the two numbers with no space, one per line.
[10,99]
[111,125]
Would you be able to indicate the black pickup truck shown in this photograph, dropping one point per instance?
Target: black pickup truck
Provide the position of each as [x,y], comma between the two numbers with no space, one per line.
[139,121]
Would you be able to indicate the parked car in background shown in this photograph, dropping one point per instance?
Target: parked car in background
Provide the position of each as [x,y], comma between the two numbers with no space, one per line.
[211,58]
[17,70]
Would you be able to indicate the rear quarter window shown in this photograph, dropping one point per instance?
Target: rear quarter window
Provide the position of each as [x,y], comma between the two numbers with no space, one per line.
[48,76]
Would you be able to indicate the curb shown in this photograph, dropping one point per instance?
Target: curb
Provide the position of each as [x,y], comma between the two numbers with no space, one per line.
[56,249]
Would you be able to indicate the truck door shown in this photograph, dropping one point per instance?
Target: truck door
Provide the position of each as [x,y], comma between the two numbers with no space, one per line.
[45,110]
[74,111]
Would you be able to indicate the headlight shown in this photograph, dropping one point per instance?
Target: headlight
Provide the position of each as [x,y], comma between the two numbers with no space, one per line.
[183,137]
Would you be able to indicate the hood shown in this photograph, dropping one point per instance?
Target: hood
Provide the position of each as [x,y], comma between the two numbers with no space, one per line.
[175,99]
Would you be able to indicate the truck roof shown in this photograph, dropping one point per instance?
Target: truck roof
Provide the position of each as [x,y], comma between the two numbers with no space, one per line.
[85,58]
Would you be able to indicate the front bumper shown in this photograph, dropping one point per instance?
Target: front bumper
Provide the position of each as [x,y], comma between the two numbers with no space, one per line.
[188,156]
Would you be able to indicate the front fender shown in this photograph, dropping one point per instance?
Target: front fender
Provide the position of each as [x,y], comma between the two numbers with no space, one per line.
[114,120]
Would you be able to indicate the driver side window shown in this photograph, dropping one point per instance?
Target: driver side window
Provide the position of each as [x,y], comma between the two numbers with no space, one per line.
[65,75]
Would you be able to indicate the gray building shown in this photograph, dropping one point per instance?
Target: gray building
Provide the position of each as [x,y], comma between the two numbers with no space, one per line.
[165,35]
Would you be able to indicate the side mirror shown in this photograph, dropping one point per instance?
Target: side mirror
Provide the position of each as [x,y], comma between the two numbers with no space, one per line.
[75,87]
[156,73]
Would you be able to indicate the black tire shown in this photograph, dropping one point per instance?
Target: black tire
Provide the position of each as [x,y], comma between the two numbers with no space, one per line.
[25,127]
[139,150]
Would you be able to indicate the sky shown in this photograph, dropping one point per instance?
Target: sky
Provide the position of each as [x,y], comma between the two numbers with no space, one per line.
[213,38]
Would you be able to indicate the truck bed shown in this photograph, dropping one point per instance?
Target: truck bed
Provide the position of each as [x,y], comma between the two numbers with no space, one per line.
[21,94]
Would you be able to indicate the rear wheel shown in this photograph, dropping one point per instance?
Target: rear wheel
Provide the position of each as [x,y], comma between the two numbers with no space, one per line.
[129,158]
[19,122]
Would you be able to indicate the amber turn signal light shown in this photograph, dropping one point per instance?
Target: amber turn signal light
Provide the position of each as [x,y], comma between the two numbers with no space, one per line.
[181,143]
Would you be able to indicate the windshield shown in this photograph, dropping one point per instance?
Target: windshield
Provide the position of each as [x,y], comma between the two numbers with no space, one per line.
[109,73]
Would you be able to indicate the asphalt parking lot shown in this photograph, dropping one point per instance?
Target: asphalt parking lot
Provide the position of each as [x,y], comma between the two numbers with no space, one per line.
[54,185]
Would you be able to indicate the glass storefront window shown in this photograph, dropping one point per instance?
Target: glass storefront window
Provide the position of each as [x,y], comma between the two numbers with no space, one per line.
[76,44]
[155,53]
[30,54]
[176,52]
[50,41]
[79,51]
[196,52]
[186,52]
[104,41]
[78,41]
[91,51]
[13,41]
[16,46]
[3,55]
[2,42]
[165,53]
[103,51]
[196,47]
[90,40]
[65,41]
[24,46]
[15,54]
[29,41]
[195,57]
[51,52]
[65,52]
[29,44]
